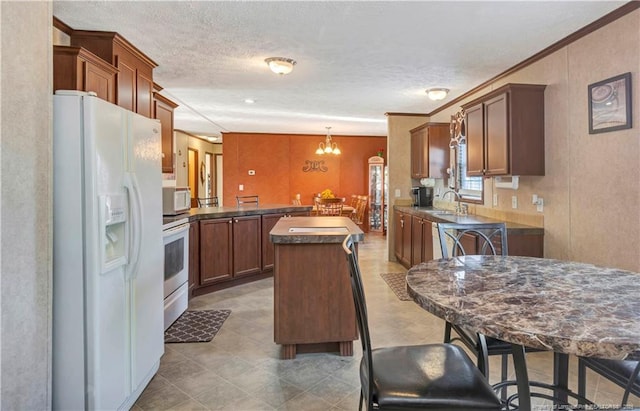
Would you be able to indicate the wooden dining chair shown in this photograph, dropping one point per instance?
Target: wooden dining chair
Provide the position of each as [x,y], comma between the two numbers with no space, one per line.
[620,372]
[208,202]
[483,239]
[415,377]
[241,200]
[329,207]
[360,209]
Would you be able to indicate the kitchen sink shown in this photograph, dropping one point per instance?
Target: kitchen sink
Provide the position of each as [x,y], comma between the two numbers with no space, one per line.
[443,212]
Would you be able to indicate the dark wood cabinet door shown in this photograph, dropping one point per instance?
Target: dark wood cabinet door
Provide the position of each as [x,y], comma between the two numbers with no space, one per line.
[427,241]
[163,111]
[216,250]
[75,68]
[470,243]
[416,240]
[247,252]
[268,222]
[194,255]
[438,147]
[406,241]
[397,234]
[475,140]
[496,117]
[125,85]
[144,95]
[420,152]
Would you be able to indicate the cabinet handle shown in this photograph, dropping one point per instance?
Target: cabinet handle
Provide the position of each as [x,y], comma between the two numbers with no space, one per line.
[235,221]
[230,221]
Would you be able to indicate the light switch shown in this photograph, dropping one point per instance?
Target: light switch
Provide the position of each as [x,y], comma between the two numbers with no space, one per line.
[241,187]
[397,192]
[495,199]
[514,202]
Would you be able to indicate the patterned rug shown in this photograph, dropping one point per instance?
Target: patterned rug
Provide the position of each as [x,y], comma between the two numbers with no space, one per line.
[396,281]
[196,326]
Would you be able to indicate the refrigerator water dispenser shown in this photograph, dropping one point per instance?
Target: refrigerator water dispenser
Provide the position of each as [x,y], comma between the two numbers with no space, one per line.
[113,231]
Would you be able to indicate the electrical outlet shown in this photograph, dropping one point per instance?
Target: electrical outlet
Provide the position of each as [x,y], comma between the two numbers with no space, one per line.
[397,193]
[495,200]
[534,199]
[514,202]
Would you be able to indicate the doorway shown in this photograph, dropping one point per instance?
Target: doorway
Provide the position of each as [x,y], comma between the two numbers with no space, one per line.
[192,164]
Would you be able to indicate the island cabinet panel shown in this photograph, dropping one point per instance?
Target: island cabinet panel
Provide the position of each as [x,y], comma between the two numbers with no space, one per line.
[313,302]
[247,253]
[216,250]
[268,222]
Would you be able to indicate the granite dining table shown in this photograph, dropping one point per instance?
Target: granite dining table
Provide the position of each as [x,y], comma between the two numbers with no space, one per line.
[561,306]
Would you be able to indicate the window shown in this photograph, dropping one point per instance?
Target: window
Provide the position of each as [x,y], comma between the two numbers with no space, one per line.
[469,188]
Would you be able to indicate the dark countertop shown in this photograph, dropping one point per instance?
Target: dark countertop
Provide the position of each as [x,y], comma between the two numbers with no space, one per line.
[308,230]
[205,213]
[444,216]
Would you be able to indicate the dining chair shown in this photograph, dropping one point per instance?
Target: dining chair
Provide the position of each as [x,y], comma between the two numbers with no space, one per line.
[621,372]
[329,207]
[416,377]
[208,202]
[247,200]
[484,239]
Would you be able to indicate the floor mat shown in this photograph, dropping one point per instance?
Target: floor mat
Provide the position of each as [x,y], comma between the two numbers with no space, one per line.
[398,283]
[196,326]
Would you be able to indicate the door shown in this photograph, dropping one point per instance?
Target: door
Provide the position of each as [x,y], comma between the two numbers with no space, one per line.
[146,293]
[247,250]
[107,300]
[497,136]
[193,173]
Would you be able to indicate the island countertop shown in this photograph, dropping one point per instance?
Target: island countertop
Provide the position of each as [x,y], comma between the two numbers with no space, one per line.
[301,230]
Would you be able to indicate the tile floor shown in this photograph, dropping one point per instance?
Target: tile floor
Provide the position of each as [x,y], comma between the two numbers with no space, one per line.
[240,368]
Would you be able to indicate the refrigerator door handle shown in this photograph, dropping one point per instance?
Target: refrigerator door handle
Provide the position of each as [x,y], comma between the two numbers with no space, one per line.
[135,208]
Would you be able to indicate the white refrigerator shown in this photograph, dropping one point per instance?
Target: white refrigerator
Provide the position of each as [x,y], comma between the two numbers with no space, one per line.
[108,262]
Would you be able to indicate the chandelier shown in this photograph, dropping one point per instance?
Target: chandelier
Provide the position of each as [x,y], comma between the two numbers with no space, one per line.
[328,147]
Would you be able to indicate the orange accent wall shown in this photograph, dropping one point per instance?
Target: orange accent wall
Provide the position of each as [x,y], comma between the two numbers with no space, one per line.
[278,161]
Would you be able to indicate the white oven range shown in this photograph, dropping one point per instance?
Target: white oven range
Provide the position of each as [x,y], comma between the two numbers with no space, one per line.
[175,235]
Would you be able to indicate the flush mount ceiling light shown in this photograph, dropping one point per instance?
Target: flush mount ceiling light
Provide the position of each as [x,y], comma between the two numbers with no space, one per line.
[328,147]
[280,65]
[437,93]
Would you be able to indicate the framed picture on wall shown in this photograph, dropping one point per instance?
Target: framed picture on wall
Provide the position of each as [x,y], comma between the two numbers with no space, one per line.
[610,104]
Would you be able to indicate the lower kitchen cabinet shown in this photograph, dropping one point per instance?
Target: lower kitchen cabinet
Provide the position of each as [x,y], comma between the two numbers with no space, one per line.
[229,248]
[402,237]
[194,255]
[421,240]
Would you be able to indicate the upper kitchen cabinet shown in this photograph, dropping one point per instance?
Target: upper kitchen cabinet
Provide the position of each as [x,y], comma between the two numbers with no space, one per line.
[505,132]
[75,68]
[430,150]
[163,111]
[134,79]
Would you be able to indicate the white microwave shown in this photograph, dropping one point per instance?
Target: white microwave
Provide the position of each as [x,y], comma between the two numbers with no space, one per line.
[175,200]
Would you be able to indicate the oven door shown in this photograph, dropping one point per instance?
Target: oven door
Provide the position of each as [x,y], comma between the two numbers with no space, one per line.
[176,258]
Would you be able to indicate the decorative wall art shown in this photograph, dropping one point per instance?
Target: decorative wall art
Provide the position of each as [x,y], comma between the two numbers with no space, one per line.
[610,104]
[314,165]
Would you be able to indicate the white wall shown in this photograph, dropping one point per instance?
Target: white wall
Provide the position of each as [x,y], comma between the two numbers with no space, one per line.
[25,206]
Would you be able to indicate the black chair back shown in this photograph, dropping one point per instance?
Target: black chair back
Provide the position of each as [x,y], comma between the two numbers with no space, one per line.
[361,314]
[489,239]
[208,202]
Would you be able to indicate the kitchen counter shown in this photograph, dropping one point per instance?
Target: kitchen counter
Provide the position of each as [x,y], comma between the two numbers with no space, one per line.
[204,213]
[308,230]
[446,216]
[313,303]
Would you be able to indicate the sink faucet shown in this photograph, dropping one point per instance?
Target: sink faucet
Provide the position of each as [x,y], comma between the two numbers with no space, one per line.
[459,209]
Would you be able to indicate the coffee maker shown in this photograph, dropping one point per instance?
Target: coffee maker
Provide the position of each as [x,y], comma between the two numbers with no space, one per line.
[422,196]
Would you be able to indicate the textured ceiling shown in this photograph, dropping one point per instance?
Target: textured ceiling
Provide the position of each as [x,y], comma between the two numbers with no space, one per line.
[355,60]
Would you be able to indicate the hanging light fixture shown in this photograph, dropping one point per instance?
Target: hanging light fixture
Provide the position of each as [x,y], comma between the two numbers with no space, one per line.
[280,65]
[437,93]
[328,147]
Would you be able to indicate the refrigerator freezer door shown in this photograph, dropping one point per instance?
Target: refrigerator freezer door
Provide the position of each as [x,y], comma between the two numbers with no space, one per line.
[147,322]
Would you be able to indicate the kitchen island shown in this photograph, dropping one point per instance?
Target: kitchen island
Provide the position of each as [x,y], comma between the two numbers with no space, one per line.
[313,304]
